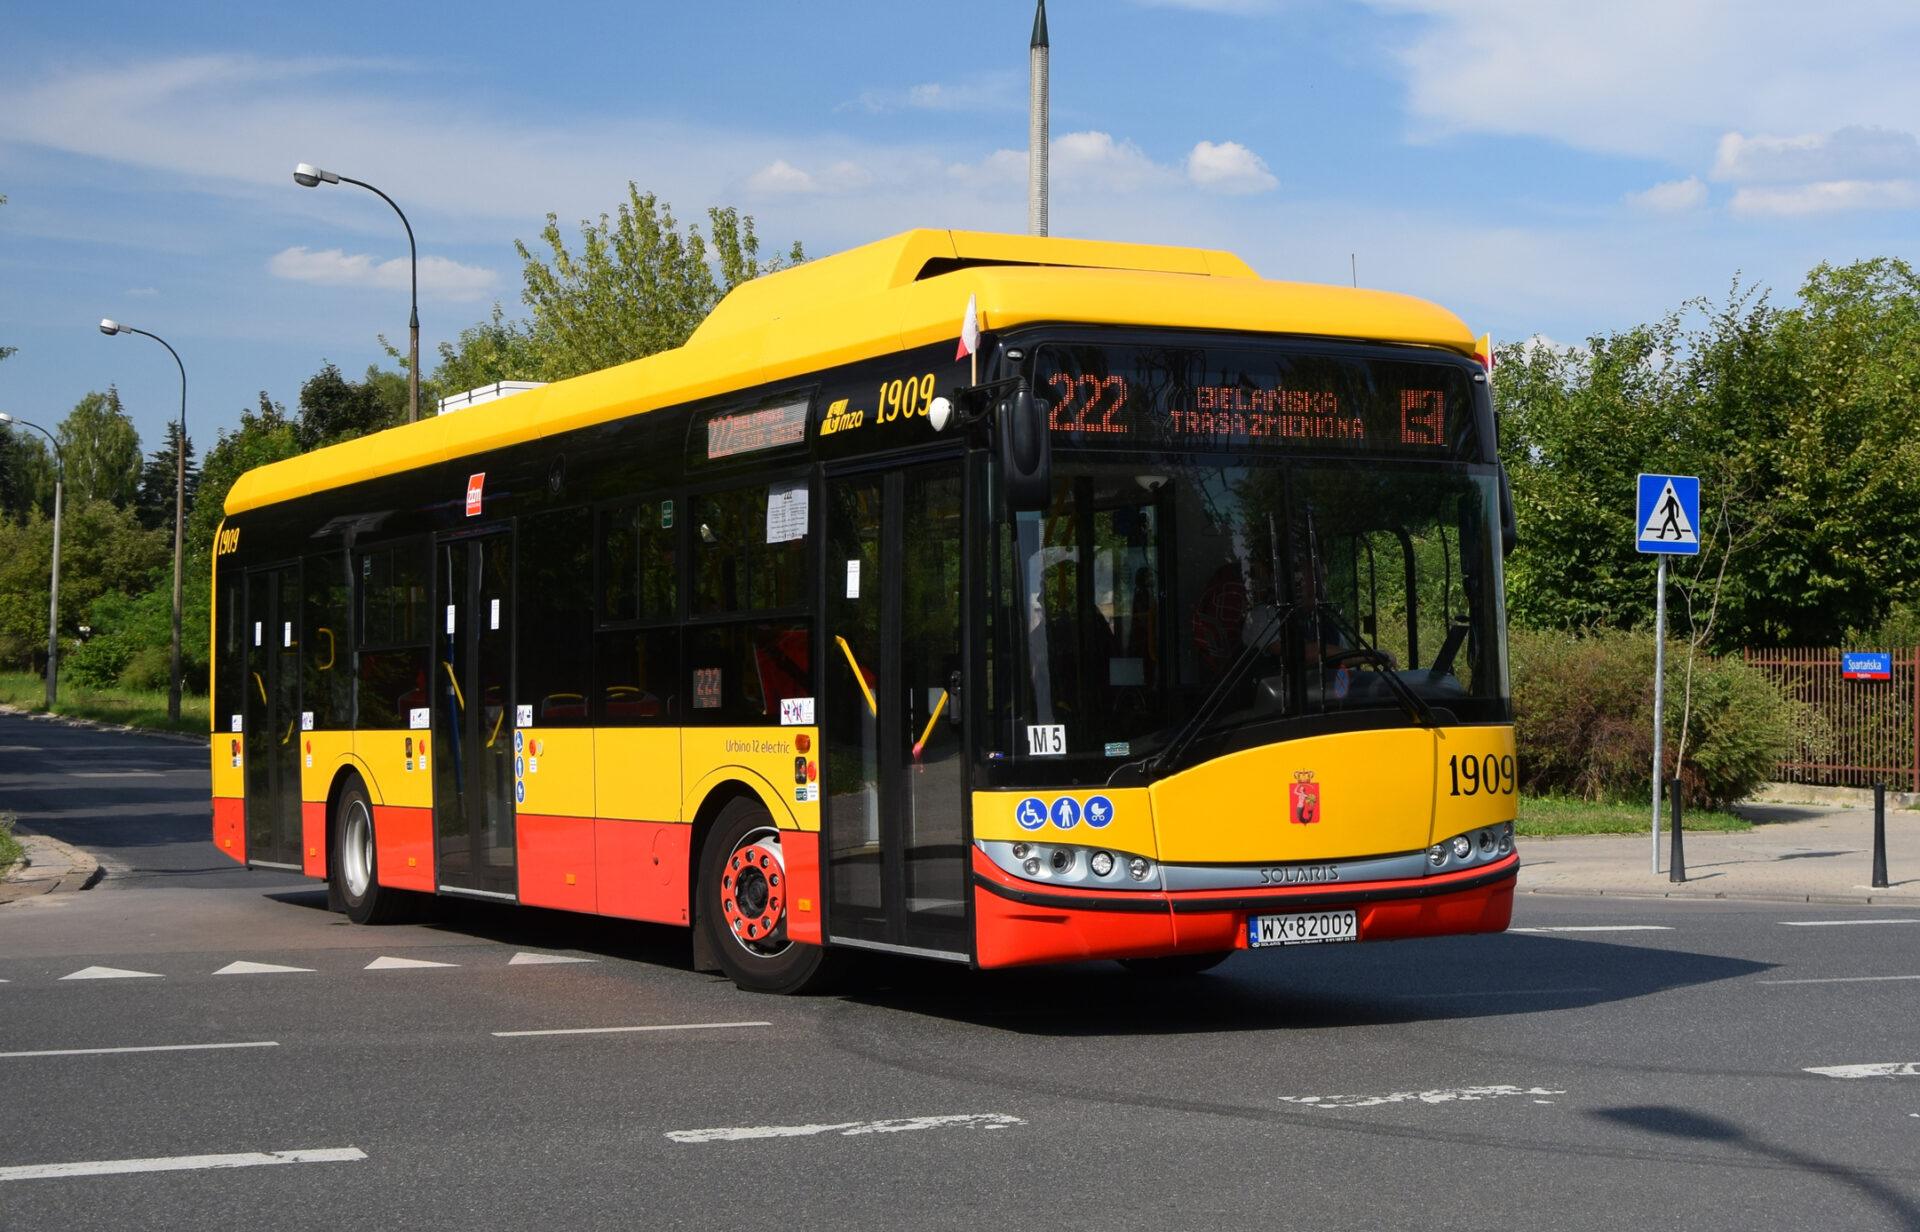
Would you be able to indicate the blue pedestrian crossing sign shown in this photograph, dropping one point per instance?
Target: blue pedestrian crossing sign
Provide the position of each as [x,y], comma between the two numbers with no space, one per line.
[1669,515]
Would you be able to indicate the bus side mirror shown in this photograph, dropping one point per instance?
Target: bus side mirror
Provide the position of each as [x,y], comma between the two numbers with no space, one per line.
[1026,453]
[1509,533]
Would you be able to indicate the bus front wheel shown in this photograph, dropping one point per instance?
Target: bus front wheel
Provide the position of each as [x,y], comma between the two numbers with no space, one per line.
[355,869]
[743,905]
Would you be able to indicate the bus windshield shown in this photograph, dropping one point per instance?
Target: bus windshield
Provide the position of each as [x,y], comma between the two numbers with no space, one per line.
[1255,592]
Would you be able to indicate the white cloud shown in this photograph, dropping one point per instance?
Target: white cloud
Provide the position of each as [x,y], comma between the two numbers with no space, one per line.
[989,92]
[1656,77]
[782,178]
[1672,197]
[1826,197]
[440,278]
[1229,167]
[1850,153]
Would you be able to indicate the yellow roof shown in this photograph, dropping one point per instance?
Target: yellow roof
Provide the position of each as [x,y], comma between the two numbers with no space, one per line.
[874,300]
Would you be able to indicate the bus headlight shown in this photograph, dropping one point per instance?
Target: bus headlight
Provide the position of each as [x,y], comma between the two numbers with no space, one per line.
[1506,838]
[1139,868]
[1101,862]
[1462,847]
[1032,866]
[1062,859]
[1437,854]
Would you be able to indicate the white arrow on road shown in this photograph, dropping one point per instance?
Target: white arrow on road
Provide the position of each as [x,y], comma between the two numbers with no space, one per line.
[849,1129]
[256,968]
[110,973]
[524,959]
[1872,1069]
[399,964]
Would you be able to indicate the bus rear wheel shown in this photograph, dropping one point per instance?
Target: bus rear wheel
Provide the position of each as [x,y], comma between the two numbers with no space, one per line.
[1176,966]
[355,867]
[742,904]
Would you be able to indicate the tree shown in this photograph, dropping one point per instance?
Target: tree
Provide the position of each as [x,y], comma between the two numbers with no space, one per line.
[155,500]
[26,473]
[103,549]
[332,408]
[102,450]
[638,286]
[492,350]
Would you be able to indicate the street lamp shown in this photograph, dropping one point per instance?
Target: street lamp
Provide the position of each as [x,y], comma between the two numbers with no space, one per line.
[111,327]
[306,175]
[53,602]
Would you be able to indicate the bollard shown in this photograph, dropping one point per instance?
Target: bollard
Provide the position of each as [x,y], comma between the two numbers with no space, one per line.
[1879,836]
[1677,857]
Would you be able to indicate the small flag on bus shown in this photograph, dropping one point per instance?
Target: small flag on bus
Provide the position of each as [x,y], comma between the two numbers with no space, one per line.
[970,329]
[1483,351]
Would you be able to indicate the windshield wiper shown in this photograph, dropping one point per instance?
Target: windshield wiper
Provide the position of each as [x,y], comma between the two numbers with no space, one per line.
[1416,707]
[1176,748]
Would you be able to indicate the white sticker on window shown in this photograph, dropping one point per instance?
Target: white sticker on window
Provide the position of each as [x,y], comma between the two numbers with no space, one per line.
[306,720]
[796,712]
[236,723]
[1046,740]
[493,620]
[523,716]
[787,512]
[449,620]
[853,579]
[256,633]
[417,717]
[286,633]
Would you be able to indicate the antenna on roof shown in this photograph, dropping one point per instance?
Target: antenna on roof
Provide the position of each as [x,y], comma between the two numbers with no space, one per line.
[1037,123]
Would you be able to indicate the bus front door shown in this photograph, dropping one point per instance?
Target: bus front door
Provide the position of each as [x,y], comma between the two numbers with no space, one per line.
[271,717]
[473,783]
[893,763]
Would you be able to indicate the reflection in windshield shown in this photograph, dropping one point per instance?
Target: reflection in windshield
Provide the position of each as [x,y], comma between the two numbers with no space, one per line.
[1139,588]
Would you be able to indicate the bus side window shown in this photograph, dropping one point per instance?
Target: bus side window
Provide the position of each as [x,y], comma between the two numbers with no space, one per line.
[395,633]
[555,627]
[326,648]
[637,650]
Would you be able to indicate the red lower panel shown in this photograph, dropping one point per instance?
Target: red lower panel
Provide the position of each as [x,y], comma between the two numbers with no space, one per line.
[642,870]
[1009,934]
[800,849]
[230,827]
[313,838]
[557,862]
[403,847]
[1483,910]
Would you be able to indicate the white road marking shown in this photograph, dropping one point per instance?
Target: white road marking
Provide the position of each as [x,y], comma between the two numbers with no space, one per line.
[181,1163]
[113,774]
[94,1052]
[849,1129]
[1446,1095]
[1875,1069]
[256,968]
[1598,928]
[110,973]
[1846,979]
[524,959]
[670,1026]
[1833,923]
[401,964]
[1492,992]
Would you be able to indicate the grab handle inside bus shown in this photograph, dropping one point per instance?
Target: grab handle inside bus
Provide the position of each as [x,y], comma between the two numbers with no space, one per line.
[1026,452]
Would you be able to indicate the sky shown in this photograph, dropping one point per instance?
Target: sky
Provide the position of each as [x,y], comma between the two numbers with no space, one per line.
[1541,167]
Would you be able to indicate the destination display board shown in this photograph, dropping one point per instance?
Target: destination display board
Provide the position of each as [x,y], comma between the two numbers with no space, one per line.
[1190,398]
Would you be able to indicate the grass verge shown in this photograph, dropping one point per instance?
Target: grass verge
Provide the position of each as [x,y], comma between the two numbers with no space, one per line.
[133,707]
[9,845]
[1541,816]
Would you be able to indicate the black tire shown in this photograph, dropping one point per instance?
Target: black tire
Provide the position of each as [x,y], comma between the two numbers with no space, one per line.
[353,872]
[1176,966]
[742,884]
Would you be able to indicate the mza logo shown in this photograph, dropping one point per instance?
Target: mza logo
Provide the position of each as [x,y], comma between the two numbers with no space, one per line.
[227,541]
[1303,799]
[839,417]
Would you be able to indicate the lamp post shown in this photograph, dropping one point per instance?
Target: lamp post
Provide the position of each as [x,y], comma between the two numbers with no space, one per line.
[111,327]
[306,175]
[53,601]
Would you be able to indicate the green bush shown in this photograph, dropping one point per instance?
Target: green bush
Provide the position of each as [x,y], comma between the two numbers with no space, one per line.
[147,668]
[98,661]
[1583,713]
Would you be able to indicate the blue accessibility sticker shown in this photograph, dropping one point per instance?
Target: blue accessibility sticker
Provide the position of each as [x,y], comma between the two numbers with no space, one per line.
[519,792]
[1031,814]
[519,742]
[1099,811]
[1066,812]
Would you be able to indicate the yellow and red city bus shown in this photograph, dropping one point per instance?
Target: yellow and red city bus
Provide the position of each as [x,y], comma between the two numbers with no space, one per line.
[1169,623]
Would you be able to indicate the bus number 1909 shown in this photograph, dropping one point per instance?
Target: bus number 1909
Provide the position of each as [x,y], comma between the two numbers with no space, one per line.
[1473,775]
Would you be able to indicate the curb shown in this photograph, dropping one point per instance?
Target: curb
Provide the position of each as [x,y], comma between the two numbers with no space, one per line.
[83,872]
[41,716]
[1880,900]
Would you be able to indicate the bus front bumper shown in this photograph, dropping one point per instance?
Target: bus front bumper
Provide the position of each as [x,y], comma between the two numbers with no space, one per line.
[1017,923]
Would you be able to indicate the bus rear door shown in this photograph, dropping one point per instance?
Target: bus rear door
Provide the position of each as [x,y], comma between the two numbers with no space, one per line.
[272,717]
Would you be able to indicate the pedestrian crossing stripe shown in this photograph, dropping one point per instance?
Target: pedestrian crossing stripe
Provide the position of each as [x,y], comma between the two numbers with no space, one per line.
[1667,522]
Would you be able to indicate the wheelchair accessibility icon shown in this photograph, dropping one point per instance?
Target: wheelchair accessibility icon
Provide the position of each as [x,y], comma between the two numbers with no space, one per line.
[1031,814]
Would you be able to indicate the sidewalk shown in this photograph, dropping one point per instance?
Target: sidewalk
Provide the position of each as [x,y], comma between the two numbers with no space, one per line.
[52,867]
[1794,853]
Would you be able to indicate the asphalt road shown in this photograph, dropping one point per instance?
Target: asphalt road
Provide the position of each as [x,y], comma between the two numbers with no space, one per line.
[1658,1074]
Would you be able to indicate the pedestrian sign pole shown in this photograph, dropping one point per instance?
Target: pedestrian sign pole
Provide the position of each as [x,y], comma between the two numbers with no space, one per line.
[1668,520]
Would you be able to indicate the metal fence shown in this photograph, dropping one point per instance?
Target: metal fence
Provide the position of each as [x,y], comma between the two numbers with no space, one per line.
[1857,732]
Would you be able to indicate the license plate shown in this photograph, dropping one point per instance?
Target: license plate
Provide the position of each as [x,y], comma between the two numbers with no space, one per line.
[1302,928]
